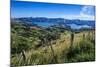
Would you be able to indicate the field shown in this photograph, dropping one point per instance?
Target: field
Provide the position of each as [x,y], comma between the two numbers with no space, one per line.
[37,46]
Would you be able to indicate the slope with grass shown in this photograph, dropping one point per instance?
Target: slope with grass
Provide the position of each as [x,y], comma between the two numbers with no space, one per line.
[58,51]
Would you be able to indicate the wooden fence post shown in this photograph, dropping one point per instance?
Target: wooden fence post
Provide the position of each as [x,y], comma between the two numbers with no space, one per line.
[23,54]
[53,53]
[83,36]
[72,40]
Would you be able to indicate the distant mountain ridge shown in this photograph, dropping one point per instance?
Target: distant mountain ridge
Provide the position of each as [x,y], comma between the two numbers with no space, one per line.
[60,21]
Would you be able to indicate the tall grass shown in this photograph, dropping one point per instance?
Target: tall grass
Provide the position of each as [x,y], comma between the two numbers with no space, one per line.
[84,50]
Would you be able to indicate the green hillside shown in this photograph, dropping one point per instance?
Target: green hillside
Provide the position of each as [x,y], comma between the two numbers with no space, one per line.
[50,46]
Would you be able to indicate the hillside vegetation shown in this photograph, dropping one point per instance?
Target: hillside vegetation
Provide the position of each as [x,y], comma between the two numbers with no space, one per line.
[53,45]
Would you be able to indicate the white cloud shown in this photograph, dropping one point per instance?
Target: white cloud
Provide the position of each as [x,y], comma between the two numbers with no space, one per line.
[86,16]
[81,17]
[86,13]
[88,10]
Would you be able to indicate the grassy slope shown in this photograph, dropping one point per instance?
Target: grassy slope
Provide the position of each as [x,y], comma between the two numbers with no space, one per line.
[43,55]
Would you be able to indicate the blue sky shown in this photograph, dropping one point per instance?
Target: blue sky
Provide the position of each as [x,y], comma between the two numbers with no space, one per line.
[37,9]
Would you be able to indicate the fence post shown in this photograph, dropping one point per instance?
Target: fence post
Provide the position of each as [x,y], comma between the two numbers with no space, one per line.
[53,53]
[72,40]
[89,35]
[83,36]
[23,54]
